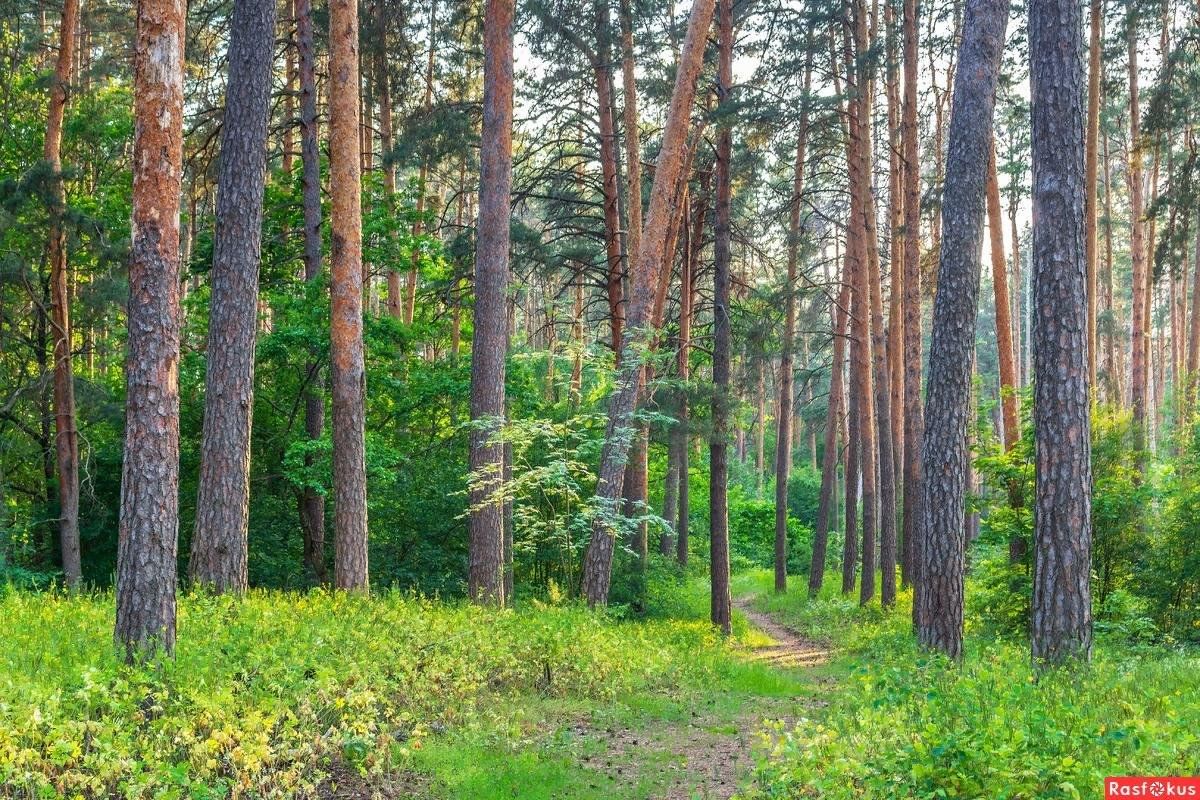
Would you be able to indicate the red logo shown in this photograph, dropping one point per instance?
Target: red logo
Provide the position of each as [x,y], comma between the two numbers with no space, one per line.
[1151,787]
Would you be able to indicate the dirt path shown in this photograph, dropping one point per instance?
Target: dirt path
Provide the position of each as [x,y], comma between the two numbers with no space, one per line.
[789,649]
[709,755]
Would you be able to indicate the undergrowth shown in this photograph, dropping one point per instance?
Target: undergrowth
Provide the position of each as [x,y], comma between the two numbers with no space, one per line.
[903,724]
[267,690]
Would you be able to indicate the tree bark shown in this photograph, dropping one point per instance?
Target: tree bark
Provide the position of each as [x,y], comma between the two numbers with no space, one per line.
[312,503]
[1091,172]
[66,434]
[940,618]
[149,521]
[827,504]
[633,150]
[597,565]
[410,292]
[783,431]
[1137,245]
[1062,607]
[485,525]
[1004,345]
[914,423]
[347,372]
[219,542]
[718,486]
[858,249]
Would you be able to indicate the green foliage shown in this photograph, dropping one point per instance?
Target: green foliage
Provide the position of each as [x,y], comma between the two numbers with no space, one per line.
[266,689]
[752,535]
[804,494]
[905,724]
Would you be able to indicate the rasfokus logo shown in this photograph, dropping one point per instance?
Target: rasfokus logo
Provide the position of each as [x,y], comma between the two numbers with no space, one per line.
[1151,787]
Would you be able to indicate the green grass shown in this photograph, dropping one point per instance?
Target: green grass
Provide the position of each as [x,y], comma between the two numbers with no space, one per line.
[268,691]
[901,723]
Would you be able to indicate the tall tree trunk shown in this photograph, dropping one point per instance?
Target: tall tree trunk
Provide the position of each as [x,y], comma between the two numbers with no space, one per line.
[718,498]
[1138,376]
[289,92]
[488,349]
[911,302]
[312,503]
[1004,346]
[1062,602]
[882,427]
[66,435]
[597,564]
[827,504]
[1091,171]
[602,74]
[347,372]
[410,295]
[783,430]
[940,618]
[858,248]
[219,544]
[687,284]
[149,522]
[895,343]
[633,150]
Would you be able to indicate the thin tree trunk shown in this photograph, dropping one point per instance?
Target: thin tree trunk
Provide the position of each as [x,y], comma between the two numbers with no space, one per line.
[66,435]
[633,150]
[1061,612]
[1090,196]
[1004,346]
[219,543]
[312,503]
[347,372]
[597,567]
[410,295]
[911,303]
[861,229]
[940,618]
[149,521]
[1137,244]
[486,524]
[783,431]
[827,504]
[718,499]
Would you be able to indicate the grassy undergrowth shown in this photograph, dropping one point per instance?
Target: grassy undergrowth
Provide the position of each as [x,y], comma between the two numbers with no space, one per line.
[268,693]
[902,724]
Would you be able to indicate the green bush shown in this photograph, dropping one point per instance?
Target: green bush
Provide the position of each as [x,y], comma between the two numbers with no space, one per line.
[752,536]
[804,494]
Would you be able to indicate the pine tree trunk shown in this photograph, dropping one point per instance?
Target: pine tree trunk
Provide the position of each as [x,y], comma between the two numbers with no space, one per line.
[947,411]
[783,430]
[633,150]
[597,563]
[1138,377]
[914,424]
[312,503]
[1004,346]
[827,504]
[1062,608]
[149,521]
[347,367]
[718,498]
[66,434]
[489,346]
[858,250]
[602,75]
[1091,171]
[219,542]
[410,291]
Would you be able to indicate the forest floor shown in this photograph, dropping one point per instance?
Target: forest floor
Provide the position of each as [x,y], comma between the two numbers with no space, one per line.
[667,745]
